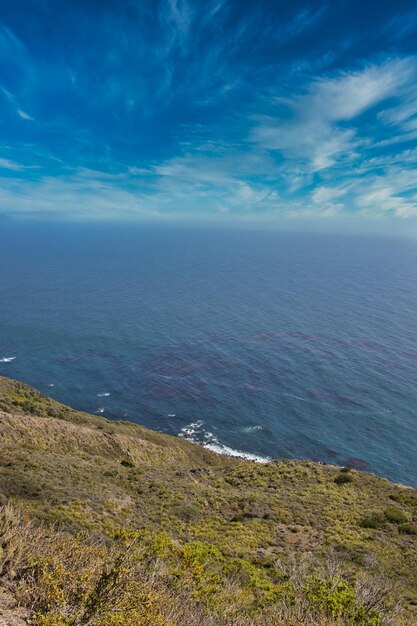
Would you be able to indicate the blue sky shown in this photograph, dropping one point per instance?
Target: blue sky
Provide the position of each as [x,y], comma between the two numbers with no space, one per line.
[222,110]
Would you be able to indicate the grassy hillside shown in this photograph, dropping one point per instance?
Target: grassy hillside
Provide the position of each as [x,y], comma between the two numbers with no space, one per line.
[107,523]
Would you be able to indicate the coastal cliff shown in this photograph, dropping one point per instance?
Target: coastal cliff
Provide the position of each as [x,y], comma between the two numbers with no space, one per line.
[108,523]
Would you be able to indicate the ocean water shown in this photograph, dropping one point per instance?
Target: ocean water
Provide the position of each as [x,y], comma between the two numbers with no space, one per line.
[266,344]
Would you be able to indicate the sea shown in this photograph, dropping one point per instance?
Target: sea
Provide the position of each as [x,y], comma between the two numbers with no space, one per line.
[260,344]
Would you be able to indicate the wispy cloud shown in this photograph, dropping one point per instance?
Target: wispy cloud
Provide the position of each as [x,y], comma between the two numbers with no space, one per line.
[14,166]
[11,165]
[222,109]
[301,22]
[24,115]
[402,25]
[78,195]
[15,105]
[313,126]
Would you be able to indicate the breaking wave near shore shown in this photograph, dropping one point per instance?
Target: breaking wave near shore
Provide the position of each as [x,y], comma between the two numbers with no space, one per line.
[196,433]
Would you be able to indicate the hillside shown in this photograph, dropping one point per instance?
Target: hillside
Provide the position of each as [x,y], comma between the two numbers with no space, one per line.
[106,523]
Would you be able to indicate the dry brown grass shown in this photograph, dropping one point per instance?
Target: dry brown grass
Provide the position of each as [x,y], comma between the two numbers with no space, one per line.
[79,473]
[82,581]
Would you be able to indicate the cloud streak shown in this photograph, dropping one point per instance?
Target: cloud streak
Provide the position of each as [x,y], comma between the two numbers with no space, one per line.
[216,110]
[315,131]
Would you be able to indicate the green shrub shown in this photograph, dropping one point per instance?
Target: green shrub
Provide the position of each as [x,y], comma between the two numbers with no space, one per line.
[52,619]
[373,520]
[337,599]
[395,515]
[395,497]
[187,511]
[343,478]
[127,463]
[408,529]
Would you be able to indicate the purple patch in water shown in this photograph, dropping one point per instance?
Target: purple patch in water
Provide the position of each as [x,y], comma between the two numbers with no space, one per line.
[356,463]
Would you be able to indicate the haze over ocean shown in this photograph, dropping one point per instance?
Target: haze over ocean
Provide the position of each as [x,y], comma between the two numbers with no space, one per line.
[273,344]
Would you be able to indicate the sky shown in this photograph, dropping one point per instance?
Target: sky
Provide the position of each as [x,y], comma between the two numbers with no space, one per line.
[217,110]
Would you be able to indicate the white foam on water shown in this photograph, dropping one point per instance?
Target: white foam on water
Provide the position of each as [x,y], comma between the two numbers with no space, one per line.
[251,429]
[7,359]
[222,449]
[100,410]
[104,394]
[194,432]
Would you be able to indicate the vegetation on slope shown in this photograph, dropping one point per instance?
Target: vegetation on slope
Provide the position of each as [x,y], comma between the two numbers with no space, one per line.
[107,523]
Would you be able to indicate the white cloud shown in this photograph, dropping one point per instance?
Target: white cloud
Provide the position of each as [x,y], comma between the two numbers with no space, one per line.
[8,164]
[24,115]
[380,198]
[323,195]
[346,96]
[315,130]
[390,192]
[311,156]
[13,102]
[82,194]
[179,189]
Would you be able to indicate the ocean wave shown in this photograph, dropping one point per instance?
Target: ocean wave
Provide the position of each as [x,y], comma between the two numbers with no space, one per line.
[7,359]
[251,429]
[197,434]
[249,456]
[100,411]
[192,429]
[104,394]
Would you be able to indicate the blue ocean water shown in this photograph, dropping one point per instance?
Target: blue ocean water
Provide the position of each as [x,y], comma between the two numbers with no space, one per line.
[271,344]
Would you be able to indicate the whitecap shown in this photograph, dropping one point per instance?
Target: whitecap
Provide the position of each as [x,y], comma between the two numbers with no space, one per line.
[251,429]
[100,410]
[51,385]
[220,448]
[190,430]
[171,415]
[194,432]
[7,359]
[104,394]
[187,431]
